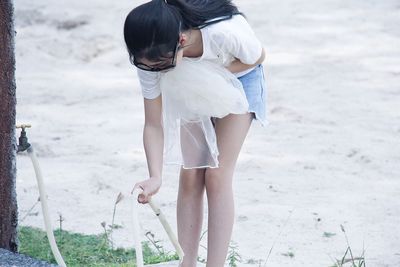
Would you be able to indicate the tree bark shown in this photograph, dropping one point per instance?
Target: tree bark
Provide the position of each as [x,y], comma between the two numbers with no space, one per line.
[8,200]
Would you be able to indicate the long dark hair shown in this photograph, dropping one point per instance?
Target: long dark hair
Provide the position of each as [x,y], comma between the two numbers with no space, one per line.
[151,30]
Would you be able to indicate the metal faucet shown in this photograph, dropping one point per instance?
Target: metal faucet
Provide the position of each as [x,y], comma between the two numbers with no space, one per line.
[23,139]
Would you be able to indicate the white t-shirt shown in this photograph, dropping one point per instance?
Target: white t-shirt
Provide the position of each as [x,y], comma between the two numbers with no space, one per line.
[222,42]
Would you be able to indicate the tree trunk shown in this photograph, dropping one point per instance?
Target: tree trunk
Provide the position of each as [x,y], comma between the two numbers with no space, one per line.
[8,200]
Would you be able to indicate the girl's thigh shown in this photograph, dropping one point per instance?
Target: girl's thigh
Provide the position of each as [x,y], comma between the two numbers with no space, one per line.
[231,132]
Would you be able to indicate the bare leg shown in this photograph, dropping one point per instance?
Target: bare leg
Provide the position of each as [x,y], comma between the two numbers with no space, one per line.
[231,132]
[190,213]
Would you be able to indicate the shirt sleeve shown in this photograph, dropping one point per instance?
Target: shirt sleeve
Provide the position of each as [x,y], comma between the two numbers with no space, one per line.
[241,41]
[150,83]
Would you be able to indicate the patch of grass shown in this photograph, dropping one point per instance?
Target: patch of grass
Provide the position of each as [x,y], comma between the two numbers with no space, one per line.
[84,250]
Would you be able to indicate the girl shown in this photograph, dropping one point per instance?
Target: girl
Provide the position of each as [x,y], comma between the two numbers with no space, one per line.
[158,34]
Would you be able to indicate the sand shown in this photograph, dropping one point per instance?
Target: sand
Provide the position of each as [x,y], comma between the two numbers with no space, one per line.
[329,157]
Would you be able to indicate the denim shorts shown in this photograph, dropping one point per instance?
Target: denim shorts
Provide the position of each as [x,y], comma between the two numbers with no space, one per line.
[256,93]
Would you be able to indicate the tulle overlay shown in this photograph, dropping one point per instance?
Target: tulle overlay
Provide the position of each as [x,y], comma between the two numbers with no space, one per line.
[193,93]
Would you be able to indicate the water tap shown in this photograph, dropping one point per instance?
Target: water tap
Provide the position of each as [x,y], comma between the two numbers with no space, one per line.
[23,139]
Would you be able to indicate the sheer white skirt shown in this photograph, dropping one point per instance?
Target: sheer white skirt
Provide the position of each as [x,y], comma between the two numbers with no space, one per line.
[192,93]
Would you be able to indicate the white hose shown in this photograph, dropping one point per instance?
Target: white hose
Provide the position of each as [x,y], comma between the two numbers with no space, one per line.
[137,235]
[163,221]
[45,210]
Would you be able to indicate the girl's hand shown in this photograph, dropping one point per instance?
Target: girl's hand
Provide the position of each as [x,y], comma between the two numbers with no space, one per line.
[149,186]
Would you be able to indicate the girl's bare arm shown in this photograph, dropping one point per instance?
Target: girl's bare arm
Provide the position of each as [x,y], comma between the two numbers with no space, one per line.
[153,141]
[153,137]
[238,66]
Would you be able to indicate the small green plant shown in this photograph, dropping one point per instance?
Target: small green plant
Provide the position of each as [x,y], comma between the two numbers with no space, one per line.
[289,254]
[345,260]
[113,225]
[328,234]
[233,255]
[254,261]
[354,261]
[201,259]
[156,243]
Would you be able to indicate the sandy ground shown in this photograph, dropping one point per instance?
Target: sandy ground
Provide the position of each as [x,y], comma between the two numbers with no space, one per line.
[329,157]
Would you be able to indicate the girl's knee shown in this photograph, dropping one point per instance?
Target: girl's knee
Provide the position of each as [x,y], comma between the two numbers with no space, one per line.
[218,178]
[192,179]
